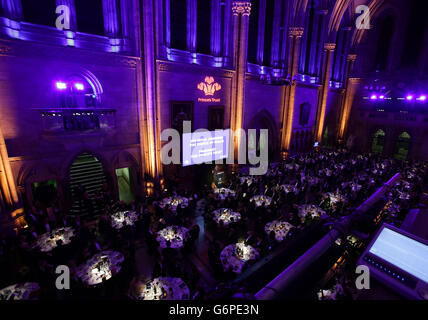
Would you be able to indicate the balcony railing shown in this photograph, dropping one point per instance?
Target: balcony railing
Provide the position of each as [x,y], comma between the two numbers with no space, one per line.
[77,119]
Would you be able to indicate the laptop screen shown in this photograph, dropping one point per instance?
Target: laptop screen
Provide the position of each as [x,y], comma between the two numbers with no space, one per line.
[407,254]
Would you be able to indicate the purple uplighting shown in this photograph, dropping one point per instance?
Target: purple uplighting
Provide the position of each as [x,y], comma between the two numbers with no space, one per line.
[61,85]
[79,86]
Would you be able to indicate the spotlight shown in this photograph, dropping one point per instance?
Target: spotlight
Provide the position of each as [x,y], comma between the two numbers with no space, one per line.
[373,97]
[381,97]
[409,97]
[61,85]
[422,98]
[79,86]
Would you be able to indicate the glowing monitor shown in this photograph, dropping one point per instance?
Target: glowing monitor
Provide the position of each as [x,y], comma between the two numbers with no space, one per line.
[205,146]
[399,260]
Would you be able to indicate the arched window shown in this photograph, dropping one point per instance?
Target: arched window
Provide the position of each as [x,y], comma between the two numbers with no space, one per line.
[89,15]
[75,92]
[305,109]
[384,43]
[253,31]
[402,146]
[378,141]
[267,48]
[39,12]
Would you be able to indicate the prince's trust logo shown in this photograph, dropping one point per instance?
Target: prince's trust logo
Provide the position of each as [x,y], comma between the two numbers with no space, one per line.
[209,87]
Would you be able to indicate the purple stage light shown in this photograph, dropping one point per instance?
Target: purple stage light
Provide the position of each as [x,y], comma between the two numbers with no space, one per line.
[422,98]
[409,97]
[381,97]
[79,86]
[373,97]
[61,85]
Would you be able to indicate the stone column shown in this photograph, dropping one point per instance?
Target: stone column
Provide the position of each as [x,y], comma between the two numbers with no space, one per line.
[241,11]
[149,112]
[13,11]
[288,92]
[216,28]
[347,101]
[191,25]
[325,81]
[7,180]
[111,22]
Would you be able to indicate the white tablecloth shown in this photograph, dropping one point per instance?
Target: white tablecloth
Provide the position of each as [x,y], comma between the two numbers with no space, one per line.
[48,241]
[226,215]
[173,202]
[123,218]
[100,267]
[234,256]
[310,210]
[261,200]
[280,228]
[223,193]
[164,289]
[19,291]
[174,234]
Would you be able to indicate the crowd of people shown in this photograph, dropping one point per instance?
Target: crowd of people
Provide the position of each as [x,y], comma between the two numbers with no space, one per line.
[334,181]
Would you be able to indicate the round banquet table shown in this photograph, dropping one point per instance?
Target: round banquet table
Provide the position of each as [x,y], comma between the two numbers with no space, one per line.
[173,202]
[24,291]
[234,256]
[226,215]
[289,188]
[261,200]
[223,193]
[174,234]
[280,228]
[48,241]
[247,179]
[311,210]
[163,288]
[123,218]
[100,267]
[335,198]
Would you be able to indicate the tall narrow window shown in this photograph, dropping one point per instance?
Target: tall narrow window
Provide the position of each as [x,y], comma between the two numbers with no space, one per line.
[384,43]
[179,24]
[203,44]
[119,17]
[309,44]
[253,31]
[39,12]
[89,15]
[222,18]
[270,6]
[415,33]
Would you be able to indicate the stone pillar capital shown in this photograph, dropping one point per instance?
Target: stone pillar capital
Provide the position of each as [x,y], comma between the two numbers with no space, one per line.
[351,57]
[329,46]
[241,7]
[296,31]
